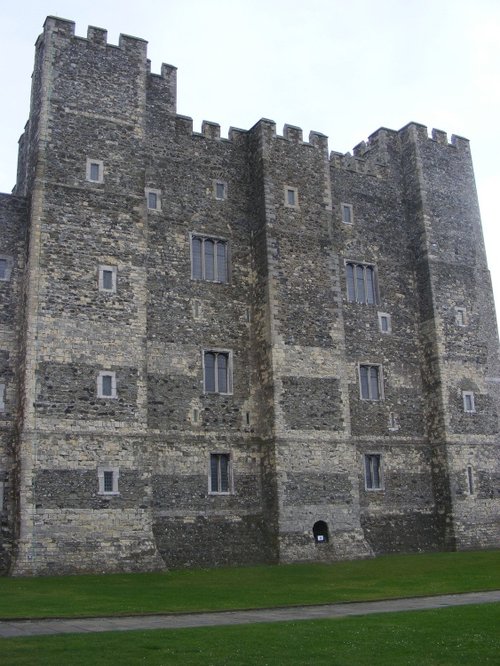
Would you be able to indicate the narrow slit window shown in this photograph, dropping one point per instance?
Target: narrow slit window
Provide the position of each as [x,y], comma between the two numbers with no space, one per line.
[2,397]
[3,269]
[291,197]
[470,480]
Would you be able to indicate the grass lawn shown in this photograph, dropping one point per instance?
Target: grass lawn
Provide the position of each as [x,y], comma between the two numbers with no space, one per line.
[250,587]
[456,635]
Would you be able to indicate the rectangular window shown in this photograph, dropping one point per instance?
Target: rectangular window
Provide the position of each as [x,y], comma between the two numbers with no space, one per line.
[460,317]
[2,494]
[373,475]
[107,278]
[370,382]
[361,283]
[2,397]
[108,480]
[106,385]
[5,267]
[469,403]
[153,199]
[346,213]
[217,371]
[209,259]
[220,473]
[95,171]
[470,480]
[384,322]
[291,197]
[220,190]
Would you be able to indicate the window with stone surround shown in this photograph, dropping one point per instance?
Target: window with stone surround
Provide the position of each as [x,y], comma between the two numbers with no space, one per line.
[95,171]
[373,471]
[220,190]
[107,278]
[108,480]
[291,197]
[468,401]
[217,371]
[461,316]
[370,382]
[347,213]
[5,267]
[2,397]
[209,258]
[106,384]
[220,473]
[153,199]
[384,322]
[361,283]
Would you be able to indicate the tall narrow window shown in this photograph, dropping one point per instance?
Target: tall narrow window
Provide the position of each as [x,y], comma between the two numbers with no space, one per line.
[217,372]
[460,317]
[384,322]
[106,384]
[220,190]
[291,197]
[373,476]
[5,267]
[153,199]
[2,397]
[209,260]
[361,283]
[468,400]
[219,473]
[370,382]
[95,171]
[107,278]
[346,213]
[470,480]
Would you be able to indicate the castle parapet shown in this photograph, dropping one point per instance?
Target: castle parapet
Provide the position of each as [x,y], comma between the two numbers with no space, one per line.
[97,36]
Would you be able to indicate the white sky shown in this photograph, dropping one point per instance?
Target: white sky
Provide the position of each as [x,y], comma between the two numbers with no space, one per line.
[342,67]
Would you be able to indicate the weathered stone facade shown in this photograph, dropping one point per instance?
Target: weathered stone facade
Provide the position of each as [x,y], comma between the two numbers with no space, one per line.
[319,381]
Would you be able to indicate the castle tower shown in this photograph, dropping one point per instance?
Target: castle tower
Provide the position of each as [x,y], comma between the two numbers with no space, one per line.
[234,350]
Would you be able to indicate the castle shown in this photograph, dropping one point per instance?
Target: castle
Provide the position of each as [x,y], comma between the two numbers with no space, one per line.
[234,350]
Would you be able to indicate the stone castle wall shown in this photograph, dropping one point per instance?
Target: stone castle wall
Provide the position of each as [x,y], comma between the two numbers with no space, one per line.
[294,424]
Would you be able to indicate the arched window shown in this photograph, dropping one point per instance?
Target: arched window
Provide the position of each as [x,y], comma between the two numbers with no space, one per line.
[320,531]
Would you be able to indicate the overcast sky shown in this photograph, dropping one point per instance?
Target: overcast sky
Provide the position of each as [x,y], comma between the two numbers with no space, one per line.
[342,67]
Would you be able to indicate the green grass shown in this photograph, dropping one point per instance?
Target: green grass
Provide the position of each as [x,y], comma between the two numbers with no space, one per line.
[250,587]
[456,635]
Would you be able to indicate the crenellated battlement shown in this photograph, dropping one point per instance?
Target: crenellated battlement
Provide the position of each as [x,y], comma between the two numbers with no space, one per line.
[64,29]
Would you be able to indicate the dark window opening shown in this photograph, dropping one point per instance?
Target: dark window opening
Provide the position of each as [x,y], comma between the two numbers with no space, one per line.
[320,531]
